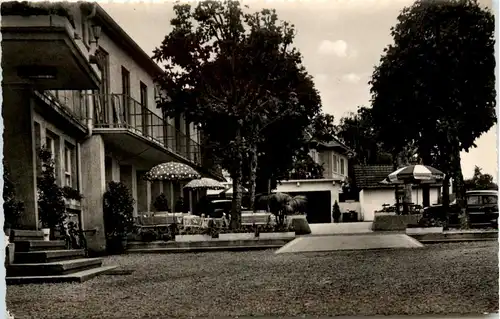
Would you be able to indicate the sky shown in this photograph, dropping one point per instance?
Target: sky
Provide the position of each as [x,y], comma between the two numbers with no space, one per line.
[341,42]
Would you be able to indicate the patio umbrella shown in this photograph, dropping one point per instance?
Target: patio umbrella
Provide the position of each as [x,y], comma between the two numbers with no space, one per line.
[171,171]
[415,174]
[204,183]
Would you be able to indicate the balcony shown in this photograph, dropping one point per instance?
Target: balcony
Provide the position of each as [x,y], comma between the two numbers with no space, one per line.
[118,114]
[67,108]
[39,48]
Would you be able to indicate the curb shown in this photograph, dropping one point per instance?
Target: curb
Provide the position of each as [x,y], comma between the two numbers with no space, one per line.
[455,237]
[199,249]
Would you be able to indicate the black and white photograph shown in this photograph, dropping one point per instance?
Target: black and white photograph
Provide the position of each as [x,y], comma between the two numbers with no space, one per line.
[250,159]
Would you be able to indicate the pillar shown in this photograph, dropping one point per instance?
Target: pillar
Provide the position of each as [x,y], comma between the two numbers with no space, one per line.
[426,195]
[129,178]
[93,188]
[19,149]
[168,191]
[155,192]
[142,193]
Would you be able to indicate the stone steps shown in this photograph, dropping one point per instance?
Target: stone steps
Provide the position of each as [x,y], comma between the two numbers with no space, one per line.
[39,261]
[79,276]
[26,235]
[45,256]
[39,245]
[56,268]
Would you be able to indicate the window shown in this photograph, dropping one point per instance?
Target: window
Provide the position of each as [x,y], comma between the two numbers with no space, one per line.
[490,199]
[126,96]
[342,166]
[144,104]
[50,145]
[68,164]
[473,200]
[157,93]
[335,164]
[38,145]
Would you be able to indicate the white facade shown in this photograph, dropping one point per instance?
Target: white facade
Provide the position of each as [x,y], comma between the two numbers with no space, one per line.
[335,164]
[372,199]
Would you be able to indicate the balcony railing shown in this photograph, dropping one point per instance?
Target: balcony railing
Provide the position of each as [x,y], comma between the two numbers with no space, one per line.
[70,101]
[122,111]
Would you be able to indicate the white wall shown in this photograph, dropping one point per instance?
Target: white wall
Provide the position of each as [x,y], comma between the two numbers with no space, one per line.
[118,58]
[331,163]
[318,185]
[371,200]
[347,206]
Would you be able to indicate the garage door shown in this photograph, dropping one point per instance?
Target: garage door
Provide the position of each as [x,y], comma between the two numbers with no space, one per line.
[318,206]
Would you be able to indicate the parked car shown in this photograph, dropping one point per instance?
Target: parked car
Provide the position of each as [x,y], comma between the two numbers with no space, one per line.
[481,205]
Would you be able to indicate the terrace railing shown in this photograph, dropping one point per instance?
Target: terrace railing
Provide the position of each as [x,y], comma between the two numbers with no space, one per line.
[122,111]
[71,102]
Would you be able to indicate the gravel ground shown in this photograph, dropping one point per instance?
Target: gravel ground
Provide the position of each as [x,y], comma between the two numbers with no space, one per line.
[446,278]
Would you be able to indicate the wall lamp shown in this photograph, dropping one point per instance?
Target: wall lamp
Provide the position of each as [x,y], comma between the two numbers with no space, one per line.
[96,32]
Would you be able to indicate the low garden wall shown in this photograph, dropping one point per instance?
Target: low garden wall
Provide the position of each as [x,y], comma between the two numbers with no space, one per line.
[394,222]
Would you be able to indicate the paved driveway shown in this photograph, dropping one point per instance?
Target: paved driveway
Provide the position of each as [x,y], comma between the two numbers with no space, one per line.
[341,228]
[436,279]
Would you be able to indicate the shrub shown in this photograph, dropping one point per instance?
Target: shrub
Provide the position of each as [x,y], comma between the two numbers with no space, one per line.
[336,212]
[12,208]
[118,210]
[161,203]
[71,193]
[51,206]
[430,222]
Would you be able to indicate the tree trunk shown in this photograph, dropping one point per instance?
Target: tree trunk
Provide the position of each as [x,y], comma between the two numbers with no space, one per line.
[459,186]
[405,160]
[396,187]
[407,187]
[253,175]
[446,192]
[237,184]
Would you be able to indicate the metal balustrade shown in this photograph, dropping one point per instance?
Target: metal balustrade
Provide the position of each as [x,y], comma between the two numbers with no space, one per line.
[69,101]
[115,111]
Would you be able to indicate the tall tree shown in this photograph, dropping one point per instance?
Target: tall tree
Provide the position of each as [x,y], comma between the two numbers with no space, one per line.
[286,147]
[480,181]
[357,131]
[232,73]
[435,85]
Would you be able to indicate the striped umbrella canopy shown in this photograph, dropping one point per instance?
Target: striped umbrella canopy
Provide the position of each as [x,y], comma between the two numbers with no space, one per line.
[204,183]
[415,174]
[171,171]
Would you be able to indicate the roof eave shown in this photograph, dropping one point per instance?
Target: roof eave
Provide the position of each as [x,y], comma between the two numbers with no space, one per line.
[121,37]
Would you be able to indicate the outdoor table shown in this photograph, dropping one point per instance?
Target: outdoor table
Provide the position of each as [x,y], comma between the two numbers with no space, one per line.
[161,218]
[250,218]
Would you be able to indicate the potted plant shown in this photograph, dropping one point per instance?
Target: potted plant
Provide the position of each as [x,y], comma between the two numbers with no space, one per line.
[72,195]
[12,208]
[161,203]
[336,212]
[118,216]
[51,205]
